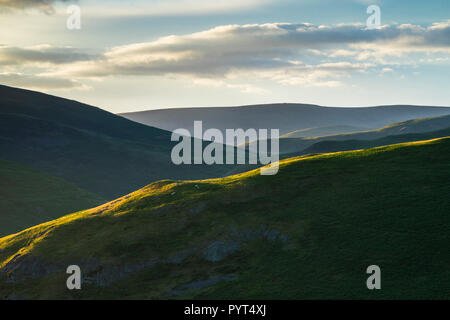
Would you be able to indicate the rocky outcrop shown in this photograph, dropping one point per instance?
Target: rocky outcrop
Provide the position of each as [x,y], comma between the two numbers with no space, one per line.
[185,288]
[22,267]
[95,272]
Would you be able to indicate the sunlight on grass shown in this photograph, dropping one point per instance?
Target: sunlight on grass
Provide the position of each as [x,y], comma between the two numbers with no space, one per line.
[164,216]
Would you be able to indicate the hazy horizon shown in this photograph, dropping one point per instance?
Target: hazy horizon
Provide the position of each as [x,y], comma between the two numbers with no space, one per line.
[280,103]
[136,55]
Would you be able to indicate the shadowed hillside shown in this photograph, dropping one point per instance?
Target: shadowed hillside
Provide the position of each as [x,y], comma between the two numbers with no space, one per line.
[309,232]
[29,197]
[289,145]
[346,145]
[94,149]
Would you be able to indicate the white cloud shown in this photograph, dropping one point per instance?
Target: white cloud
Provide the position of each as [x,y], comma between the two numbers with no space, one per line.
[40,54]
[224,50]
[290,54]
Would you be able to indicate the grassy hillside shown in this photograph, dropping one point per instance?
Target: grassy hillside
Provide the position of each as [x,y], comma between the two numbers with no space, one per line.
[309,232]
[29,197]
[290,145]
[94,149]
[286,117]
[346,145]
[322,131]
[76,115]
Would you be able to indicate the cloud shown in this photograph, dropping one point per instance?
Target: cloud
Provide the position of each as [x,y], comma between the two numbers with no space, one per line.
[42,5]
[39,82]
[322,74]
[40,54]
[242,87]
[289,54]
[264,49]
[173,7]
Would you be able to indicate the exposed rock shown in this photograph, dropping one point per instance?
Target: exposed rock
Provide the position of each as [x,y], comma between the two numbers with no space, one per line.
[180,257]
[22,267]
[200,284]
[102,275]
[220,249]
[94,272]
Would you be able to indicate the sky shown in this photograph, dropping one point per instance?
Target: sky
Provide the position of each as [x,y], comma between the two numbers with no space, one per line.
[150,54]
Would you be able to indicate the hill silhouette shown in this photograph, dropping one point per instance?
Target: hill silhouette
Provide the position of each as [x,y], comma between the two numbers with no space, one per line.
[289,145]
[286,117]
[98,151]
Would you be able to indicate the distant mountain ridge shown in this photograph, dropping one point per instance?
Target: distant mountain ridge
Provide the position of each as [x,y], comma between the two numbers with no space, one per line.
[327,146]
[286,117]
[415,126]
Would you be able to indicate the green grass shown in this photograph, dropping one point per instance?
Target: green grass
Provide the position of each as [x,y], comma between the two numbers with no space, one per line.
[30,197]
[406,131]
[323,131]
[336,214]
[347,145]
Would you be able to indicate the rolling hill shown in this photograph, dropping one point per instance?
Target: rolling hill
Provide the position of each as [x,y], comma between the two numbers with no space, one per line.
[30,197]
[309,232]
[322,131]
[286,117]
[289,145]
[97,151]
[346,145]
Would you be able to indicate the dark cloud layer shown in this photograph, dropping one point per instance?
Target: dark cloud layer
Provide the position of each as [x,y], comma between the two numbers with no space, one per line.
[42,5]
[39,82]
[40,54]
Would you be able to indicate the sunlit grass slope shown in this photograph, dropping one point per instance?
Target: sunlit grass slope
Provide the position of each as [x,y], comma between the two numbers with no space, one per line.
[410,130]
[323,131]
[328,146]
[29,197]
[309,232]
